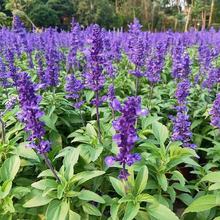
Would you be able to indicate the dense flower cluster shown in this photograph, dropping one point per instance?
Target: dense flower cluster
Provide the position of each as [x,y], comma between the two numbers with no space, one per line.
[126,134]
[181,123]
[30,113]
[136,51]
[215,112]
[94,75]
[181,63]
[73,89]
[182,91]
[181,129]
[75,44]
[52,62]
[155,64]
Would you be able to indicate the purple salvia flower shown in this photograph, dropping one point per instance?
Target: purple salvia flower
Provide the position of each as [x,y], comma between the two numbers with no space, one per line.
[3,75]
[181,130]
[74,45]
[136,47]
[182,91]
[181,63]
[126,135]
[52,62]
[155,64]
[213,78]
[94,77]
[181,123]
[17,24]
[215,112]
[73,89]
[40,70]
[30,113]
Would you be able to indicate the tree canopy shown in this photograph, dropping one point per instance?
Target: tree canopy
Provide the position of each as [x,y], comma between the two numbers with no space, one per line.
[155,15]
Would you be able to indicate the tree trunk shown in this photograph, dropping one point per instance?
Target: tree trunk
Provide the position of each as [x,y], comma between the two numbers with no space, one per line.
[211,12]
[203,20]
[188,18]
[175,24]
[116,6]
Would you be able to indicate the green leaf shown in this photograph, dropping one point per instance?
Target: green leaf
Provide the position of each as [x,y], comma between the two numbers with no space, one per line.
[5,189]
[10,168]
[213,177]
[57,210]
[145,198]
[217,218]
[90,196]
[23,151]
[118,186]
[142,216]
[90,130]
[74,215]
[86,175]
[214,186]
[126,198]
[141,180]
[46,173]
[160,132]
[159,212]
[69,162]
[114,210]
[45,183]
[50,121]
[203,203]
[178,176]
[89,153]
[131,211]
[162,180]
[91,209]
[20,191]
[36,201]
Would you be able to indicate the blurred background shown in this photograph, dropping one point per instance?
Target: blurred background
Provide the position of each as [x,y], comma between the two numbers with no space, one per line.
[155,15]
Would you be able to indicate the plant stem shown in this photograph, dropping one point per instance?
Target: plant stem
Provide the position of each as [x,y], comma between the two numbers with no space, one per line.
[137,85]
[3,130]
[82,119]
[50,166]
[97,116]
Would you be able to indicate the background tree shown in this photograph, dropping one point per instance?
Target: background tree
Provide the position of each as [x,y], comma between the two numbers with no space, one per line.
[155,15]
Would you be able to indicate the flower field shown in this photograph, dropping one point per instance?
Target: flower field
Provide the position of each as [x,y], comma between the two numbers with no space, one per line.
[109,125]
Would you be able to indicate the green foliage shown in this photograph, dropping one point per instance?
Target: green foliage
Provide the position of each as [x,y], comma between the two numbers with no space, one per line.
[43,16]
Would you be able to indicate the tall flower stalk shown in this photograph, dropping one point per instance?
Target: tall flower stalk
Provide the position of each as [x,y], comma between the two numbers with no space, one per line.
[136,51]
[126,134]
[94,76]
[181,123]
[30,115]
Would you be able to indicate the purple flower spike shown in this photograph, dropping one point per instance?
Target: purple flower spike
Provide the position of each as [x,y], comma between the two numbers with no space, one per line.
[126,134]
[215,112]
[30,113]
